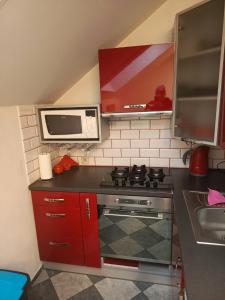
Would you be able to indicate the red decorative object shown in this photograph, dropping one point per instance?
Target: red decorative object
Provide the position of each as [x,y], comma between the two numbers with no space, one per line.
[65,164]
[136,75]
[58,169]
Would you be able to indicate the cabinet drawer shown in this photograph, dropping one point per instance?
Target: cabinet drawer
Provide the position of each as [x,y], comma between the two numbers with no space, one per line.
[58,222]
[62,250]
[55,199]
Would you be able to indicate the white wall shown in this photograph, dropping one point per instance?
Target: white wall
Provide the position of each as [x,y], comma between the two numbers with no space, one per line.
[18,245]
[158,28]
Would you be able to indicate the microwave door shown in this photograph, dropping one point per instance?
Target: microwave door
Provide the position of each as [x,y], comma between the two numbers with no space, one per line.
[63,124]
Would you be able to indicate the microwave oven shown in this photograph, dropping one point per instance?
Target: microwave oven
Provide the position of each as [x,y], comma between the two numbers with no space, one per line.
[71,124]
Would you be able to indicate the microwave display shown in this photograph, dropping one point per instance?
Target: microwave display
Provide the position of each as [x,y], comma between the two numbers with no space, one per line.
[63,124]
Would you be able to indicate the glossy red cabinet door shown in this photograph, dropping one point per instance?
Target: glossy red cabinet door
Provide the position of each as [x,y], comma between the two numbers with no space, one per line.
[89,218]
[58,226]
[134,76]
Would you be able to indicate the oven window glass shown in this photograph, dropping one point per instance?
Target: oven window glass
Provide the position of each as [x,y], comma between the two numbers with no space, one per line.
[142,238]
[63,124]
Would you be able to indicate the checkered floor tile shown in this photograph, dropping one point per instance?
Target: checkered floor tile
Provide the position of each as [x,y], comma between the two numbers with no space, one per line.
[55,285]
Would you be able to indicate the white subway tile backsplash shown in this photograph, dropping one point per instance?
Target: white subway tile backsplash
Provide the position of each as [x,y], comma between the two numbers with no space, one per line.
[140,143]
[36,164]
[31,155]
[149,152]
[121,144]
[130,152]
[120,124]
[32,120]
[35,142]
[149,134]
[34,176]
[130,134]
[170,153]
[160,143]
[121,161]
[30,167]
[23,122]
[27,145]
[140,124]
[114,134]
[177,163]
[216,153]
[89,161]
[161,124]
[96,152]
[165,133]
[218,163]
[137,141]
[112,153]
[140,161]
[105,145]
[103,161]
[176,143]
[29,132]
[159,162]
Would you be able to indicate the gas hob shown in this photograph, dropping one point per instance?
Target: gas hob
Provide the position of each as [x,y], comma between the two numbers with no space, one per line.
[140,178]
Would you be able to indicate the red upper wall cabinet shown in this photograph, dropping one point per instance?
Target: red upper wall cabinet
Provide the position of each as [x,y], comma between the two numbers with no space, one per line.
[136,79]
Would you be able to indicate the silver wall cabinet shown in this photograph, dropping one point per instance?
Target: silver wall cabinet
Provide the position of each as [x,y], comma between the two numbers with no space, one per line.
[199,73]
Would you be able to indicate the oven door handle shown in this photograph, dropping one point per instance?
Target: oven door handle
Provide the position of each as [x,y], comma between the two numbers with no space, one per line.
[158,216]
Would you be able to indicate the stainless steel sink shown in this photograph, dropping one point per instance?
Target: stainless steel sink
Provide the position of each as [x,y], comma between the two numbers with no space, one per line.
[208,223]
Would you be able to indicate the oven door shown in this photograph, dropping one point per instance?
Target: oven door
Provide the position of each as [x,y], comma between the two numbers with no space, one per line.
[141,235]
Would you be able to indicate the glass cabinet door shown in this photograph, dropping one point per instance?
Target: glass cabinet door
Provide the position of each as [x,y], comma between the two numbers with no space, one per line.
[199,65]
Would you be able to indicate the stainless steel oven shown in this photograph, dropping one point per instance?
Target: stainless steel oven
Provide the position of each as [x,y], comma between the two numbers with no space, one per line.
[135,227]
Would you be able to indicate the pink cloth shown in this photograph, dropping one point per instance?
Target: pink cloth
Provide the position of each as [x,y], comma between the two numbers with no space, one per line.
[215,197]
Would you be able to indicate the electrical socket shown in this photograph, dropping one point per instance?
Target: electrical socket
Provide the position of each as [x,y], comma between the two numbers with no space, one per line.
[84,160]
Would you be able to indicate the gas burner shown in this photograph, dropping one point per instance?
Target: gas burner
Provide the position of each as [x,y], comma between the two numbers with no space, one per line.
[120,175]
[156,175]
[139,169]
[137,175]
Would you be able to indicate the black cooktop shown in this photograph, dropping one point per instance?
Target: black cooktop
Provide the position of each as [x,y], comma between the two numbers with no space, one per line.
[140,177]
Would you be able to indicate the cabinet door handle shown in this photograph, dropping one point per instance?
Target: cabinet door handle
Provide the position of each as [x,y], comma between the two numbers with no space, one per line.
[50,215]
[56,244]
[88,209]
[54,200]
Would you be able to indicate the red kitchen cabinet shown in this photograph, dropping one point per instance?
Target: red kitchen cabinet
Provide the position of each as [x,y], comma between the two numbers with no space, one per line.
[58,226]
[136,79]
[89,217]
[67,227]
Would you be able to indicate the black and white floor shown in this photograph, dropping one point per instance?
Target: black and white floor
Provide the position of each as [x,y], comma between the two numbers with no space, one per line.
[55,285]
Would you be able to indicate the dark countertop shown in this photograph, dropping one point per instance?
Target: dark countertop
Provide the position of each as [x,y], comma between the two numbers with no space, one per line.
[88,179]
[204,266]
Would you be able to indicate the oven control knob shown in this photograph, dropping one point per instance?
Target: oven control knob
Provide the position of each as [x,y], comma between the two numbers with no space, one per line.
[149,203]
[117,200]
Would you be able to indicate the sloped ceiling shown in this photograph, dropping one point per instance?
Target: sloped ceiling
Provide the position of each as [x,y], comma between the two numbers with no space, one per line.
[46,46]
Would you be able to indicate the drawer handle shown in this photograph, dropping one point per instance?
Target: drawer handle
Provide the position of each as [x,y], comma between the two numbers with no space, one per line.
[50,215]
[54,200]
[55,244]
[88,208]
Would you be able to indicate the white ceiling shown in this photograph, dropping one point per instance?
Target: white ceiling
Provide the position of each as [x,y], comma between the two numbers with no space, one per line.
[48,45]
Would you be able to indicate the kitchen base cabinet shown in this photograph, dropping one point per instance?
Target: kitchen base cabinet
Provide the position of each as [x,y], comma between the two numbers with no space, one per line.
[89,219]
[67,227]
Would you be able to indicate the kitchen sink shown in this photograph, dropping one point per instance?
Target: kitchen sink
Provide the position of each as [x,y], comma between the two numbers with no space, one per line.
[208,223]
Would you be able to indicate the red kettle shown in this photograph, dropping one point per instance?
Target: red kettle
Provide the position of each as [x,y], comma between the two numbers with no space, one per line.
[198,165]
